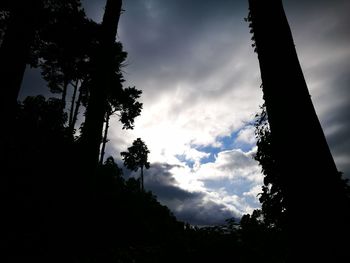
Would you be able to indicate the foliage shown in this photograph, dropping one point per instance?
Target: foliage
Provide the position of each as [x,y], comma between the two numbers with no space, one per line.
[66,49]
[126,106]
[271,198]
[137,156]
[115,221]
[42,117]
[65,44]
[261,242]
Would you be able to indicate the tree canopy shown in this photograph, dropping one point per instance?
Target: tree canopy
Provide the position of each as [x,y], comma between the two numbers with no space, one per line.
[137,157]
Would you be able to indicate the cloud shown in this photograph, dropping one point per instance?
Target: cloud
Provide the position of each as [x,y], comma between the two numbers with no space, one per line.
[198,200]
[206,213]
[231,164]
[200,82]
[231,180]
[247,135]
[322,35]
[195,207]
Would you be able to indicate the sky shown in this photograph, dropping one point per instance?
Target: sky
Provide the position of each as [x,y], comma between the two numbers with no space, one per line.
[200,79]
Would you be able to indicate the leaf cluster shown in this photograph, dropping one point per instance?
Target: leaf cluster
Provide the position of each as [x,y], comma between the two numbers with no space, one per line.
[272,197]
[137,156]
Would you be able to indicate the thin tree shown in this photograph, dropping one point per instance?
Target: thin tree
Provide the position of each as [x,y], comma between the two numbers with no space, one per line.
[137,157]
[126,107]
[105,134]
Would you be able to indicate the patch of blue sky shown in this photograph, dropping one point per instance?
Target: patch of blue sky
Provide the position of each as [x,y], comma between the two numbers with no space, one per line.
[231,142]
[182,158]
[225,143]
[245,147]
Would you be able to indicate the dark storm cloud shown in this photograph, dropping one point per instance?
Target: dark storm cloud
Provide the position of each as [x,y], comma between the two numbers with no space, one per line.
[339,127]
[319,22]
[209,213]
[334,108]
[187,206]
[160,180]
[164,38]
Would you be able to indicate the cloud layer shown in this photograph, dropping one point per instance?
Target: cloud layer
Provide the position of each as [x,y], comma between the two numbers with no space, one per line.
[200,81]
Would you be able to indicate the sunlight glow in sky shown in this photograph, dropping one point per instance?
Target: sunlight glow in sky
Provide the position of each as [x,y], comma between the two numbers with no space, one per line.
[201,92]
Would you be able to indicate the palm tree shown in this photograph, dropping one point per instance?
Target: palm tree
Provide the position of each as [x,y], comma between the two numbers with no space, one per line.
[137,157]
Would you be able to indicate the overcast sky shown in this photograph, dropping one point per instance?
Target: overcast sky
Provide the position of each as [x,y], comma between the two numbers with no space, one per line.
[200,80]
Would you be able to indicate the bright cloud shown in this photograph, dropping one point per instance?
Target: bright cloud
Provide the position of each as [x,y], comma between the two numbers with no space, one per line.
[229,164]
[247,135]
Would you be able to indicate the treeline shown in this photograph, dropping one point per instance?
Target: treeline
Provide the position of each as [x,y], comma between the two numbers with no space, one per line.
[53,213]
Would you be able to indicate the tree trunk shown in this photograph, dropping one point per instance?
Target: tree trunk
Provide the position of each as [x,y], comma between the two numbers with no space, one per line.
[64,92]
[71,112]
[142,186]
[15,49]
[14,53]
[104,141]
[309,177]
[97,104]
[76,110]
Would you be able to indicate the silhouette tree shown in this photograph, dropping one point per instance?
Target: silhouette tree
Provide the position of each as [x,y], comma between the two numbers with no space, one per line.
[65,49]
[23,38]
[137,157]
[21,20]
[308,175]
[25,21]
[121,102]
[21,24]
[101,79]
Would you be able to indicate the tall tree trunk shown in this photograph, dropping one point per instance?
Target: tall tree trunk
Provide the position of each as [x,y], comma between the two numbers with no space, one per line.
[97,104]
[76,109]
[64,92]
[15,50]
[310,180]
[104,140]
[142,186]
[71,112]
[14,53]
